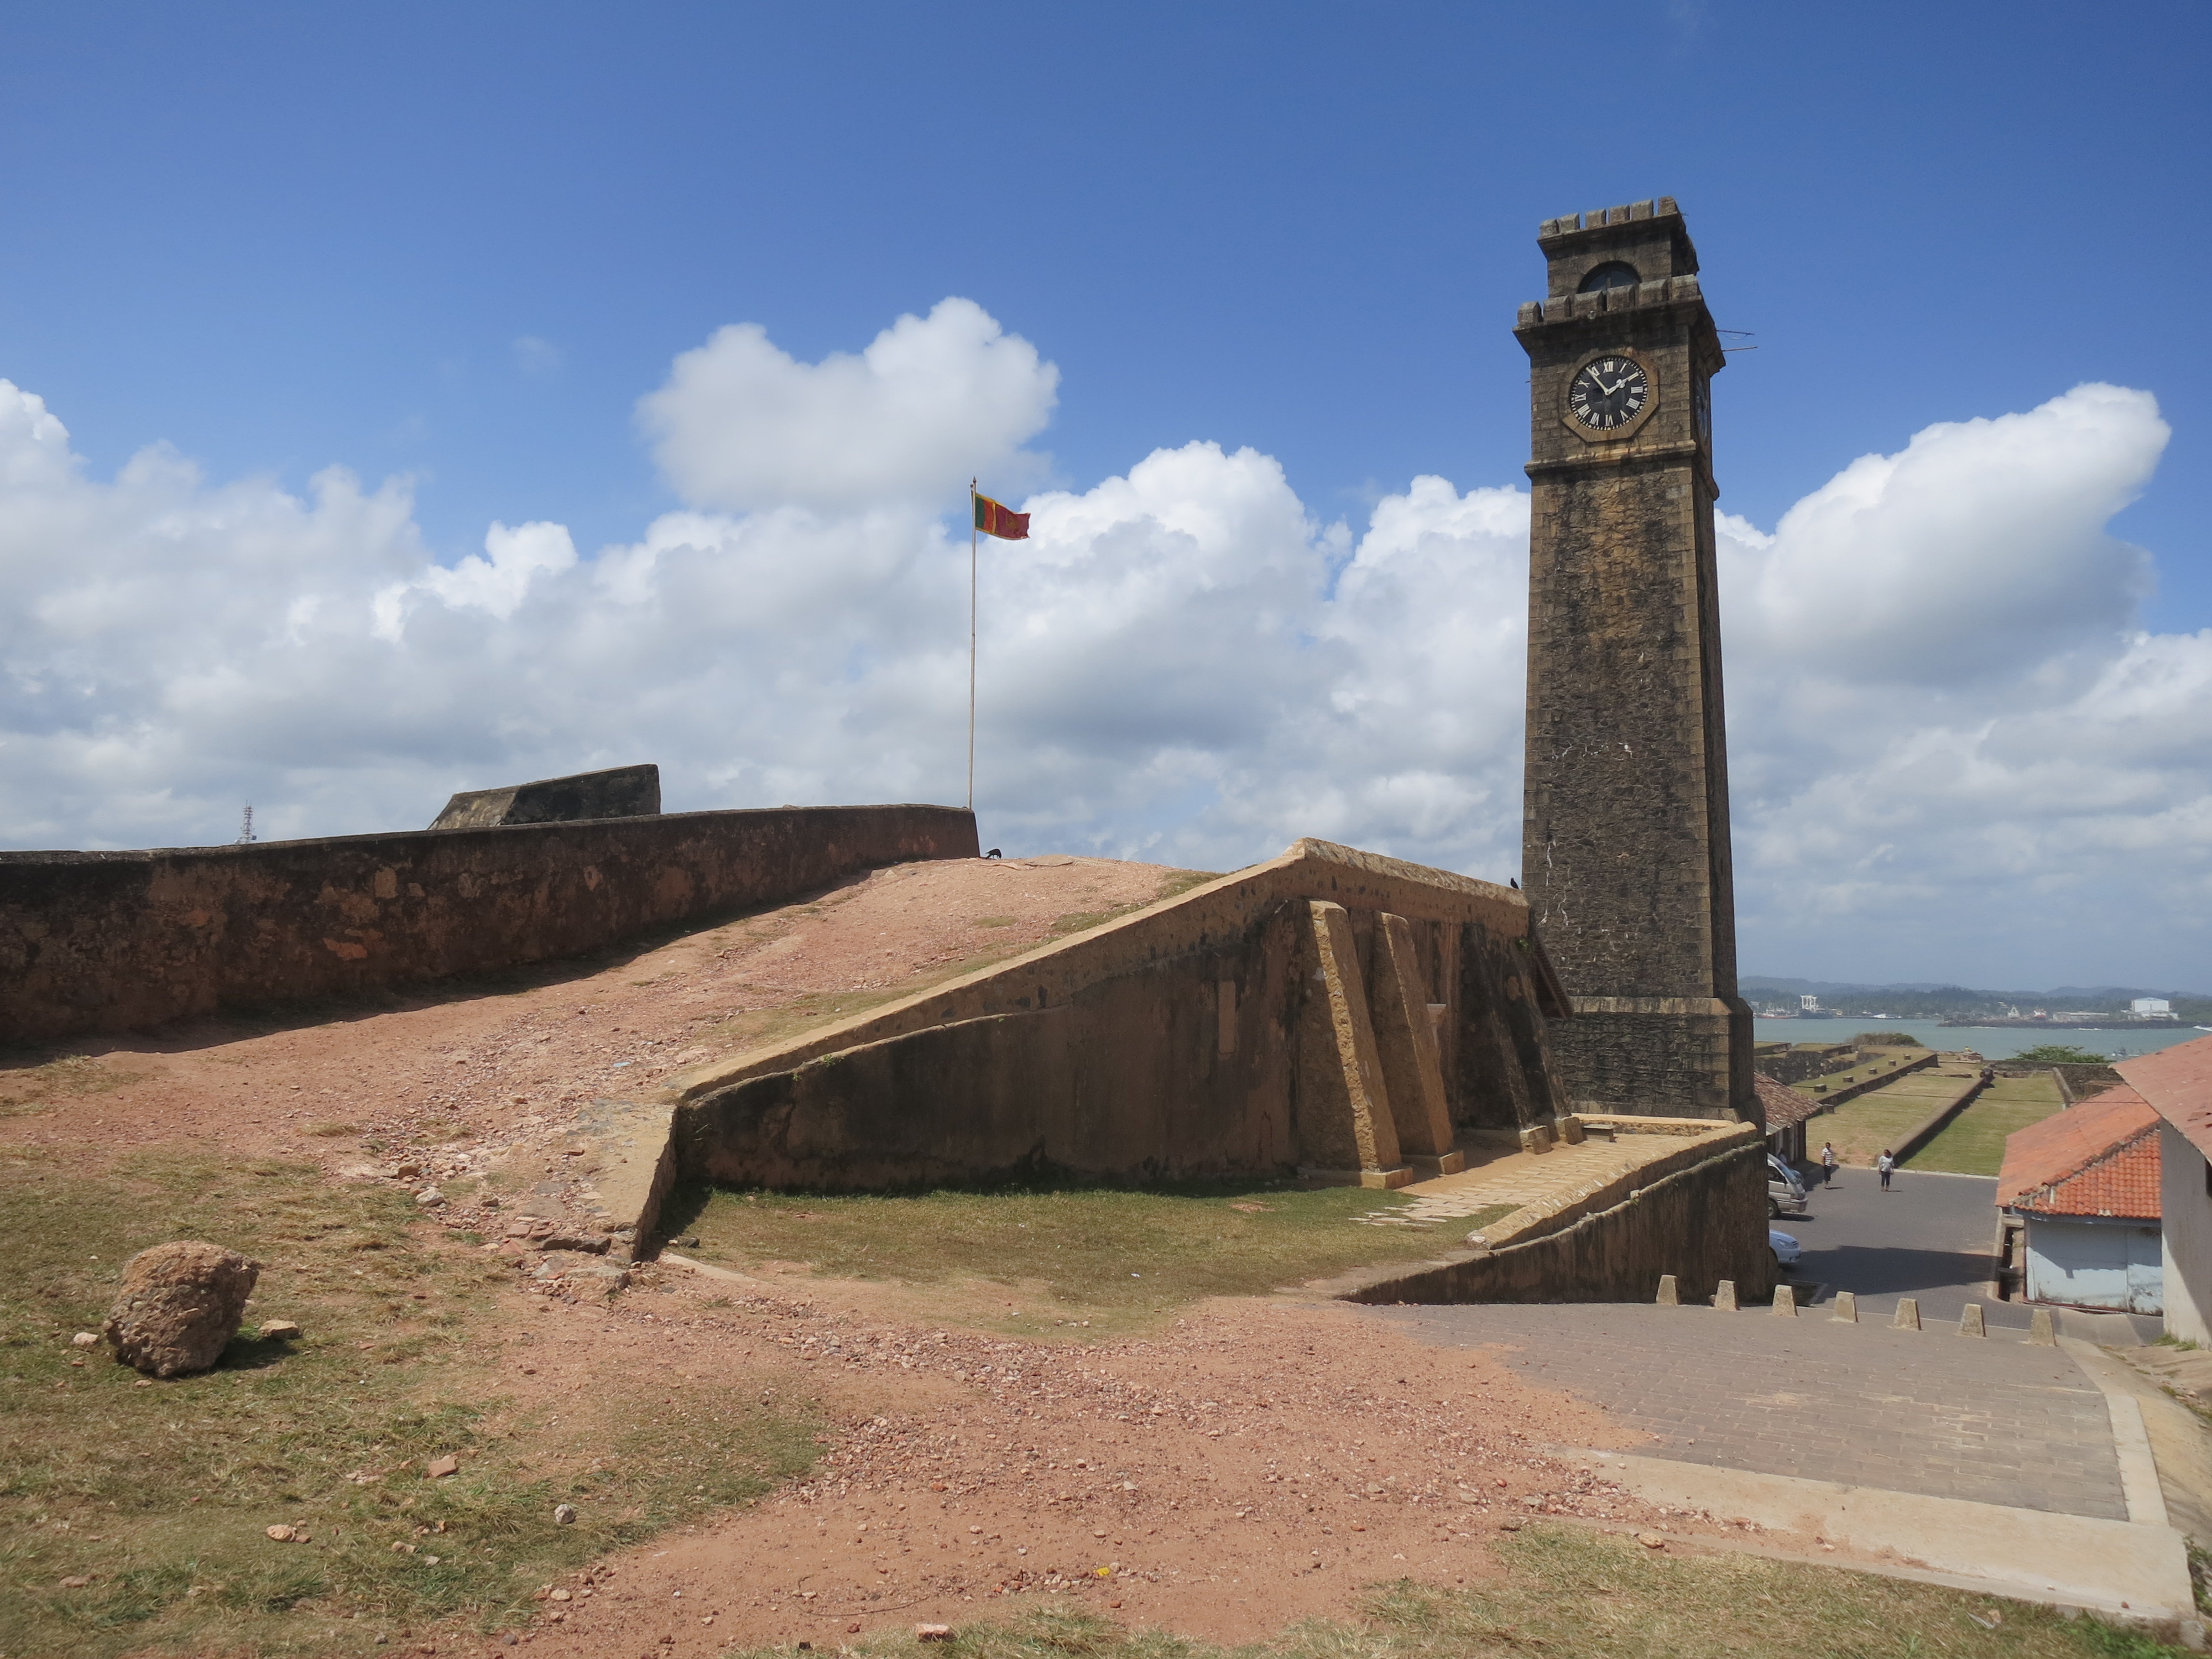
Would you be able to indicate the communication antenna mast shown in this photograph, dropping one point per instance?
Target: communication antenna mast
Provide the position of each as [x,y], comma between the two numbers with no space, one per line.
[245,827]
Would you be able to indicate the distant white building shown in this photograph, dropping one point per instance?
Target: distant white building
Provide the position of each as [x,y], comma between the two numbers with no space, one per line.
[1810,1005]
[2178,1082]
[2151,1008]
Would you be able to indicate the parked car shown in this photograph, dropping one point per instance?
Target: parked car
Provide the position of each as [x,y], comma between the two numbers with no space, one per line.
[1785,1192]
[1786,1250]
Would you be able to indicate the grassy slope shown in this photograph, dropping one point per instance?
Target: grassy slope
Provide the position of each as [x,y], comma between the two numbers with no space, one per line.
[1117,1257]
[1889,1059]
[159,1495]
[1569,1593]
[1973,1143]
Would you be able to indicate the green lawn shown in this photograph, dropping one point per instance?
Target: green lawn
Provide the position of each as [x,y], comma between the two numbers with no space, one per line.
[1973,1143]
[158,1496]
[1567,1593]
[1887,1060]
[1861,1128]
[1103,1260]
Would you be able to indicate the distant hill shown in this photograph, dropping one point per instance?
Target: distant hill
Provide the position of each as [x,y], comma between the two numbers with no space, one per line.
[1926,999]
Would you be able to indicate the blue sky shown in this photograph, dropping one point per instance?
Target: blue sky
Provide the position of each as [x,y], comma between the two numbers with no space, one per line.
[459,245]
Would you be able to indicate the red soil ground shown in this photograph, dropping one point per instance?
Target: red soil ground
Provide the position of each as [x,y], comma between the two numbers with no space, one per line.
[1253,1463]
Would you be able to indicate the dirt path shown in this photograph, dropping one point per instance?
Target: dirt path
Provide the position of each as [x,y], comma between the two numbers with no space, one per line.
[492,1069]
[1255,1463]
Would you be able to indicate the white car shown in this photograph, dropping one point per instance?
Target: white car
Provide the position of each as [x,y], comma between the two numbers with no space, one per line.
[1786,1250]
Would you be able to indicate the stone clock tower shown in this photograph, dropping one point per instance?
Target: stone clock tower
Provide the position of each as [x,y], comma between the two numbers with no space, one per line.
[1624,851]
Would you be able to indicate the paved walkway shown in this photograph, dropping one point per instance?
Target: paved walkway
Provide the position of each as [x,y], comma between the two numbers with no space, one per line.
[1995,1421]
[1499,1172]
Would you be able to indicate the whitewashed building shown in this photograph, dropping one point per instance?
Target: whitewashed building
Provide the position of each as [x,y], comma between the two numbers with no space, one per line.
[2177,1084]
[2084,1183]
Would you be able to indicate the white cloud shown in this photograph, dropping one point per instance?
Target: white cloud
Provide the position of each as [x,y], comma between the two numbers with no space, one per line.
[538,358]
[496,586]
[931,402]
[1954,753]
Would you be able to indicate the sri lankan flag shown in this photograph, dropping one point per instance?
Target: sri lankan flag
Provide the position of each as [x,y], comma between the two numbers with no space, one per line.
[994,519]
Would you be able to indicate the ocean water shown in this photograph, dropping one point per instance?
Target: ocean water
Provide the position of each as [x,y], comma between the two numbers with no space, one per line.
[1991,1041]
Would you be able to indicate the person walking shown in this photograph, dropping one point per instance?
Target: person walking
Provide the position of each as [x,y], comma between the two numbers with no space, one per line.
[1885,1164]
[1828,1163]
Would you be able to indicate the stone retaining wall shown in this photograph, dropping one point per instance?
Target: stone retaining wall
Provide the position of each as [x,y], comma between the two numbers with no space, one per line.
[1700,1214]
[113,941]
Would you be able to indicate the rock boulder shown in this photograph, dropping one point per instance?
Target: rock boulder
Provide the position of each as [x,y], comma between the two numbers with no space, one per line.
[179,1305]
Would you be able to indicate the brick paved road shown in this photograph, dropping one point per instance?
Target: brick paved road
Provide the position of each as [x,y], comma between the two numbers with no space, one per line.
[1993,1420]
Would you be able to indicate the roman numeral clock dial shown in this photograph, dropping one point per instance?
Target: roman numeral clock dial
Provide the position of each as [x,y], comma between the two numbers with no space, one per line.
[1608,394]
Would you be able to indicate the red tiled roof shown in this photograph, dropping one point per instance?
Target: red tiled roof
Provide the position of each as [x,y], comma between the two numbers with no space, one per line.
[2099,1158]
[1784,1105]
[2178,1082]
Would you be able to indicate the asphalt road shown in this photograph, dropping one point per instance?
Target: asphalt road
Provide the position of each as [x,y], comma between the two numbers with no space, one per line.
[1927,1237]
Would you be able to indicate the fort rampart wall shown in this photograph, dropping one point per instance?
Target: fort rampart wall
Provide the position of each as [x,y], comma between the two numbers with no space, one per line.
[116,941]
[1329,1011]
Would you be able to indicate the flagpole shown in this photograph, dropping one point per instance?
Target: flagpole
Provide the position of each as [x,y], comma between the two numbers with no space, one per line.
[971,646]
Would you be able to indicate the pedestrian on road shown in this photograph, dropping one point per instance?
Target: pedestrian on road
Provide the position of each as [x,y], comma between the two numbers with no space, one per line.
[1885,1164]
[1828,1163]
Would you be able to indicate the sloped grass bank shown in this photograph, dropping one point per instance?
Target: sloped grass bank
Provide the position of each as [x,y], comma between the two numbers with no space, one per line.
[158,1497]
[1107,1260]
[1973,1143]
[1569,1593]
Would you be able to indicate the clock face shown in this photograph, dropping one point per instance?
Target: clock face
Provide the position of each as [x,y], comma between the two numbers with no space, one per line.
[1608,394]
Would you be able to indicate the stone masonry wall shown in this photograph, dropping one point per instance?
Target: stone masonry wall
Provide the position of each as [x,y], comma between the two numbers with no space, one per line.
[1625,854]
[1702,1225]
[1329,1011]
[111,941]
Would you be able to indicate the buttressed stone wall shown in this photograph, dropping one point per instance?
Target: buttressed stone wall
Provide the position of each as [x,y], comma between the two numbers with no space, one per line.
[1329,1011]
[110,941]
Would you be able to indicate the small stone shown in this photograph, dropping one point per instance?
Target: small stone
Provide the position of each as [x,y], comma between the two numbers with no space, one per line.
[439,1468]
[1651,1541]
[559,1596]
[282,1534]
[932,1633]
[587,1243]
[279,1330]
[75,1580]
[1509,1525]
[179,1305]
[489,1201]
[429,1198]
[563,1514]
[84,1340]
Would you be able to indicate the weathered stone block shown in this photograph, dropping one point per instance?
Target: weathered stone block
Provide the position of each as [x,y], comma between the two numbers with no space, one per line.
[623,792]
[180,1306]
